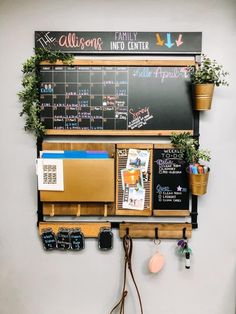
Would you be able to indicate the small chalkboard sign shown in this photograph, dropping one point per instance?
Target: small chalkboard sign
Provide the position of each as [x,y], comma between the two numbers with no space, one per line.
[49,239]
[120,42]
[63,239]
[77,240]
[171,190]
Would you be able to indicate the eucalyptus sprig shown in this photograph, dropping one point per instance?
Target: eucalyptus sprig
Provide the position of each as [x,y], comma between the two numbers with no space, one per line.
[209,72]
[29,95]
[190,148]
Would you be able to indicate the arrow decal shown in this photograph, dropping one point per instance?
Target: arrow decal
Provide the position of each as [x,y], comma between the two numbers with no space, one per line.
[168,43]
[159,42]
[179,41]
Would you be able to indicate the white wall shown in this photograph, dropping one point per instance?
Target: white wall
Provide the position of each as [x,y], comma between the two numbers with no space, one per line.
[35,282]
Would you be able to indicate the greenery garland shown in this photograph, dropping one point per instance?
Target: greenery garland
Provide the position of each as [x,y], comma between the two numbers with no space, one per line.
[29,96]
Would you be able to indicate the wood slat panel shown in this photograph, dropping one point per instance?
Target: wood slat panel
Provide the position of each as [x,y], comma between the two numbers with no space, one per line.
[121,164]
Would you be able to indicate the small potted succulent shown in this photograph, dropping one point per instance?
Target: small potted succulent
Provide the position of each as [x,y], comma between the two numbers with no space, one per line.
[204,78]
[198,172]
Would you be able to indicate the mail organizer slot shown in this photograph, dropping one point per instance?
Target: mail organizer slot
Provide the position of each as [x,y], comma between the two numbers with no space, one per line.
[85,180]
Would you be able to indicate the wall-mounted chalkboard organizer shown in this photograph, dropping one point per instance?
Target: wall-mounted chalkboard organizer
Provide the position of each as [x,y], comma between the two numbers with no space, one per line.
[134,180]
[170,182]
[103,93]
[97,97]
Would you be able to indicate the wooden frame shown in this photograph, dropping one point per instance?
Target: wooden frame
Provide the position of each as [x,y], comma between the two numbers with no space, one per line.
[127,212]
[106,209]
[167,212]
[92,229]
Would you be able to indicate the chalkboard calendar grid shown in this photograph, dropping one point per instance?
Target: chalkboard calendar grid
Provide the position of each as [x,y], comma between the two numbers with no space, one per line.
[86,98]
[115,98]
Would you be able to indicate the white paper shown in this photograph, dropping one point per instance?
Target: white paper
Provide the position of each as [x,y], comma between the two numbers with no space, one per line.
[138,159]
[50,174]
[134,199]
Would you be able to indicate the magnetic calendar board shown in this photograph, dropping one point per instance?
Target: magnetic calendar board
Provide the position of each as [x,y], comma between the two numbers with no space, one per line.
[120,98]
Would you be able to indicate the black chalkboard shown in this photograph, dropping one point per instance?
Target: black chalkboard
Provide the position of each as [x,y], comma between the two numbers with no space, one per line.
[121,42]
[49,239]
[171,189]
[116,98]
[77,240]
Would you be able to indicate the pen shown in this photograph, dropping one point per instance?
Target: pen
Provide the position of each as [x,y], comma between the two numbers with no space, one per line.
[200,169]
[194,170]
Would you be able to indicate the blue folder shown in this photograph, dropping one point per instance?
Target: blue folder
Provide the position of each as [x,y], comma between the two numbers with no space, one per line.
[76,154]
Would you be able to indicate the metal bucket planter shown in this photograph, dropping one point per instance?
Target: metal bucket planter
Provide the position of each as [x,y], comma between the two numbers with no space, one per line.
[203,94]
[198,182]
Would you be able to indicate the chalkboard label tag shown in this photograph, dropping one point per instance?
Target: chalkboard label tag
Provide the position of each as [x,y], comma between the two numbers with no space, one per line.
[63,239]
[49,239]
[77,240]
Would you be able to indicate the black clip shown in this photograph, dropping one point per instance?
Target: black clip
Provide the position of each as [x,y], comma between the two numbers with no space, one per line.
[127,231]
[184,234]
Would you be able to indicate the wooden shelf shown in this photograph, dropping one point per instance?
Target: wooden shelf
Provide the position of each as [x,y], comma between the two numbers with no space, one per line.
[115,132]
[89,229]
[171,213]
[147,230]
[127,62]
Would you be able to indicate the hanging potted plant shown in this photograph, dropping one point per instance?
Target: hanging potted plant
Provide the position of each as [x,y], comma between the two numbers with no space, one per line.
[198,171]
[204,78]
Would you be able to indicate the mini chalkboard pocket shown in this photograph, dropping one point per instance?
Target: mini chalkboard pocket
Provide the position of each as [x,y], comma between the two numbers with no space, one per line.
[105,239]
[77,240]
[63,239]
[49,239]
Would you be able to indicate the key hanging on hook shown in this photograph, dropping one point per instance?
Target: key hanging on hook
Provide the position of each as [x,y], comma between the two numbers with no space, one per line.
[184,249]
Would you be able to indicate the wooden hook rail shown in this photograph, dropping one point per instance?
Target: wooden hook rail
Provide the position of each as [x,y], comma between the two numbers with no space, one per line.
[148,230]
[89,229]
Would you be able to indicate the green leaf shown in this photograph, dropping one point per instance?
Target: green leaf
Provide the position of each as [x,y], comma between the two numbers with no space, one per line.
[29,95]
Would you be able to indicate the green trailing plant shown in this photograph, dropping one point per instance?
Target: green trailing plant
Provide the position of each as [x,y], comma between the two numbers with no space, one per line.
[190,148]
[29,95]
[209,72]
